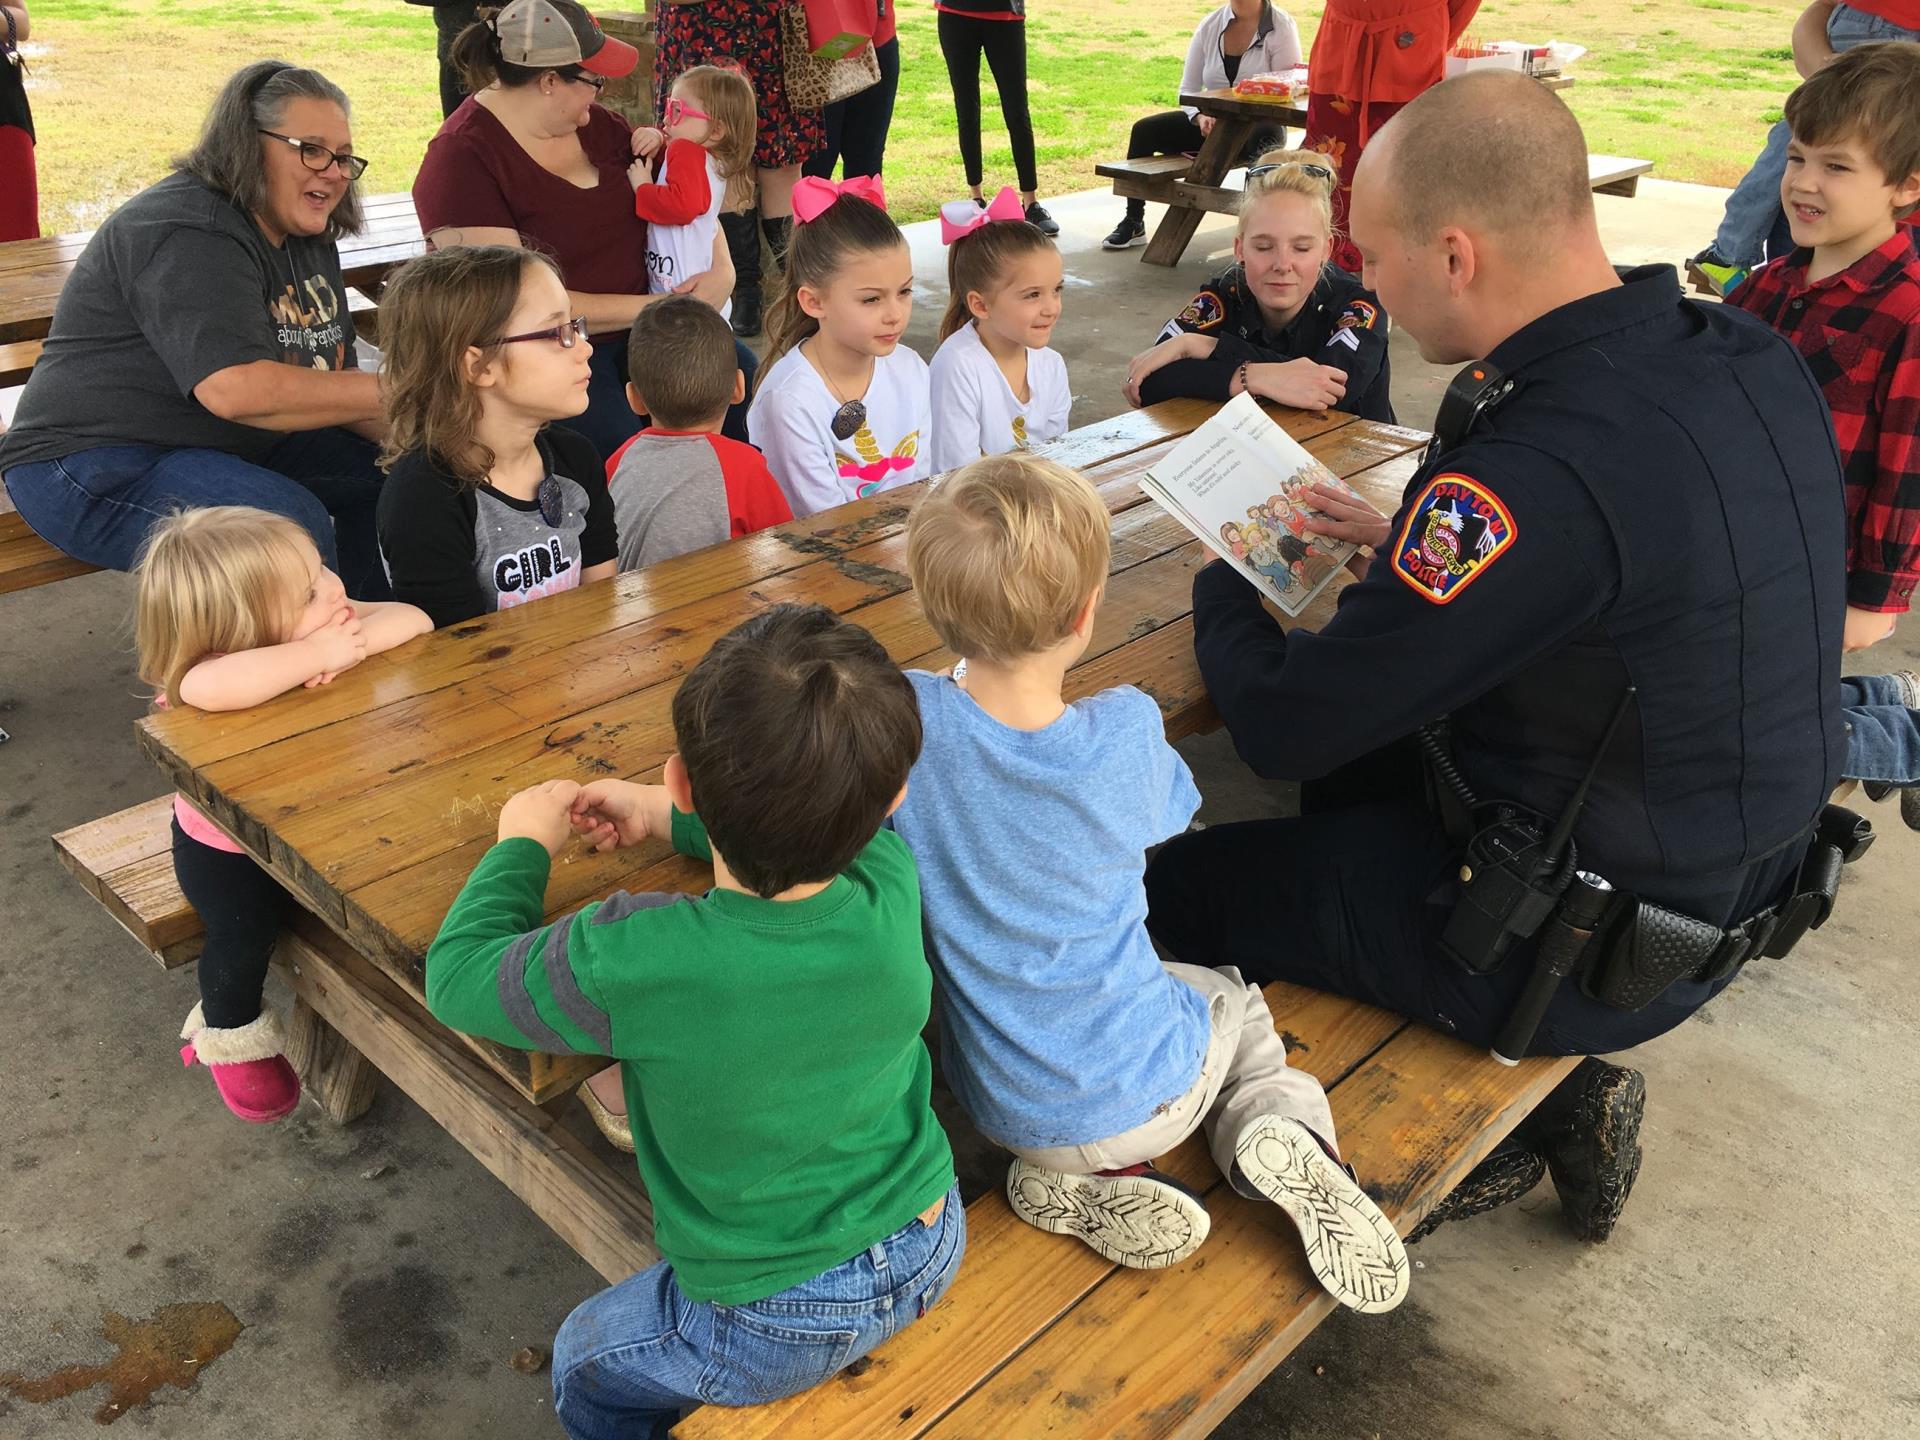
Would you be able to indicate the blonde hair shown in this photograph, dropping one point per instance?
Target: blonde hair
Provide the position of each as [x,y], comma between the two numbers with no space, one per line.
[1004,552]
[1293,178]
[727,97]
[211,582]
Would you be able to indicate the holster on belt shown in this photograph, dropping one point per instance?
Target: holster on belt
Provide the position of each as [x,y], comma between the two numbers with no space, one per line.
[1650,947]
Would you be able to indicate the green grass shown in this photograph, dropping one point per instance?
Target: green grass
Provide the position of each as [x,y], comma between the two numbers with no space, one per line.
[119,86]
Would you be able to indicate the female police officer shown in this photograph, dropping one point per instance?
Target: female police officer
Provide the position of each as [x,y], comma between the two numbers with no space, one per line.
[1645,496]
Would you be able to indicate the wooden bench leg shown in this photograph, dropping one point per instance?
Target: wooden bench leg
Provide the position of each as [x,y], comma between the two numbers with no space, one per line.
[1218,154]
[335,1074]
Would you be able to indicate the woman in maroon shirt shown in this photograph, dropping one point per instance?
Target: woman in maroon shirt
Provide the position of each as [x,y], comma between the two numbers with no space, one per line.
[528,159]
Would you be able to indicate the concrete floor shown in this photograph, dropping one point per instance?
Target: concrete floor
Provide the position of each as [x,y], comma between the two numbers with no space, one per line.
[1758,1286]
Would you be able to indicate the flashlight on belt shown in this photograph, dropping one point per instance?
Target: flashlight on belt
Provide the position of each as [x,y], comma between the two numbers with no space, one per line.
[1567,934]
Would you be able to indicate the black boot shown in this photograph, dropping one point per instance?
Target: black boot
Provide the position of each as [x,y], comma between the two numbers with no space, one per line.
[1511,1171]
[778,229]
[743,244]
[1589,1130]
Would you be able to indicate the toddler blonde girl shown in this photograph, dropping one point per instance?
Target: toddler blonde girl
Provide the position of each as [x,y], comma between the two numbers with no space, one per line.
[703,148]
[233,608]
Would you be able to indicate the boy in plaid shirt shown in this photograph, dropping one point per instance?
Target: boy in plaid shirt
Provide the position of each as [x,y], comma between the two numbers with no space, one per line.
[1849,299]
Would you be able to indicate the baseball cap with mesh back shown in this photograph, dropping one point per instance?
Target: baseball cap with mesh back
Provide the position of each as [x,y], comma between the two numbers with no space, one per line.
[542,34]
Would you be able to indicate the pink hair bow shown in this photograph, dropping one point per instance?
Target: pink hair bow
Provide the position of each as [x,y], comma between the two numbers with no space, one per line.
[963,217]
[812,195]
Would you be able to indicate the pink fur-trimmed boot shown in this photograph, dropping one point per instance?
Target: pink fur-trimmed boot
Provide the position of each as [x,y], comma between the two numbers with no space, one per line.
[248,1064]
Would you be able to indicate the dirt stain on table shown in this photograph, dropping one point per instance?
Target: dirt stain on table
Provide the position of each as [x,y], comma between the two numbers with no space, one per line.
[171,1347]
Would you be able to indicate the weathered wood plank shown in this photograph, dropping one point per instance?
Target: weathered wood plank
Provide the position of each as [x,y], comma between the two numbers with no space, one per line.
[1153,1357]
[605,1218]
[334,1075]
[1017,1281]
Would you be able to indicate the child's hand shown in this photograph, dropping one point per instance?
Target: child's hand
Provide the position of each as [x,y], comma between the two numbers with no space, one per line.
[647,140]
[608,813]
[1866,627]
[639,173]
[337,645]
[1303,384]
[542,813]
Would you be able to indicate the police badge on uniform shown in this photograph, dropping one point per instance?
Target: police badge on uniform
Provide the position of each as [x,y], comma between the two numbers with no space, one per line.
[1204,313]
[1455,530]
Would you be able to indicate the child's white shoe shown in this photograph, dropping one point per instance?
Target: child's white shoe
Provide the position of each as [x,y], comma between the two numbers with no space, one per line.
[1136,1217]
[1352,1247]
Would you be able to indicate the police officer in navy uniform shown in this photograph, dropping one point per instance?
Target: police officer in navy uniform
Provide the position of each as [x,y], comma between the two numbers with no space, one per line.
[1263,312]
[1642,492]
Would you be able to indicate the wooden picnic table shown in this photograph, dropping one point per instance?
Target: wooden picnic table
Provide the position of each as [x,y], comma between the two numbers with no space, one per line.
[372,798]
[1192,190]
[32,272]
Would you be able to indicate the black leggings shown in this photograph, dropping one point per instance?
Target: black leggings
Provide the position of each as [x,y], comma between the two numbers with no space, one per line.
[242,908]
[1173,132]
[857,126]
[963,40]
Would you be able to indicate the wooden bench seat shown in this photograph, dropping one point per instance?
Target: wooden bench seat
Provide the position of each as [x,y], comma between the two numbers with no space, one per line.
[1040,1336]
[1615,174]
[1146,167]
[125,861]
[26,560]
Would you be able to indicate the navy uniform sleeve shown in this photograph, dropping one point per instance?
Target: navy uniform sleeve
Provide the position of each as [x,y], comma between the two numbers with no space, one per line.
[1358,343]
[575,458]
[426,538]
[1496,559]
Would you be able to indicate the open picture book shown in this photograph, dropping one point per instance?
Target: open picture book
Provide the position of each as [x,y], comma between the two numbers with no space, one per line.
[1238,483]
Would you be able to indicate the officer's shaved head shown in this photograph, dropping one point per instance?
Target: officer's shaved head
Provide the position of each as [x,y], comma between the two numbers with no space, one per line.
[1492,151]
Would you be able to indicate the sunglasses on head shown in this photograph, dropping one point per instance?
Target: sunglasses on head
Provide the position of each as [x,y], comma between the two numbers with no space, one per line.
[677,110]
[1319,172]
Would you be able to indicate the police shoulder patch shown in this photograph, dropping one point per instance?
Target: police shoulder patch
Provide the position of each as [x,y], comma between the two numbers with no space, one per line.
[1204,313]
[1358,315]
[1456,528]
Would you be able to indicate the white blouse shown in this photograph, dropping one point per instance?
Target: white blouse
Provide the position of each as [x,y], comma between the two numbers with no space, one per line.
[975,411]
[1278,49]
[791,421]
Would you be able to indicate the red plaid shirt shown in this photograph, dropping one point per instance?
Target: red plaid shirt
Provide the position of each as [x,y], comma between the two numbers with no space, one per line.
[1859,332]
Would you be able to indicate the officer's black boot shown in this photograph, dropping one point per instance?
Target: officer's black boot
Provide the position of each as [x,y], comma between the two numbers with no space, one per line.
[1589,1131]
[1511,1171]
[743,244]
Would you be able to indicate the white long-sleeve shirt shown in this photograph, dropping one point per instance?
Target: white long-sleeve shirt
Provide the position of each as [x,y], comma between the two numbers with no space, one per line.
[791,421]
[975,411]
[1278,49]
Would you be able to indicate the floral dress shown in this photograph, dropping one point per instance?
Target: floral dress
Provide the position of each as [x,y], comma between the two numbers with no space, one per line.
[746,35]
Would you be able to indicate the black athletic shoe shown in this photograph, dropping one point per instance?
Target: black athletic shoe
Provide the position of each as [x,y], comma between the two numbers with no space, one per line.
[746,311]
[1127,234]
[1511,1171]
[1594,1155]
[1038,217]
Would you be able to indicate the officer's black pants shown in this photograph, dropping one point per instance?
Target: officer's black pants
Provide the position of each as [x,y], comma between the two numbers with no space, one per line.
[1339,900]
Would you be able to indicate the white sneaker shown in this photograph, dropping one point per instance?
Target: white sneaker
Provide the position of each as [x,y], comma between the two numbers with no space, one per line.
[1136,1217]
[1352,1248]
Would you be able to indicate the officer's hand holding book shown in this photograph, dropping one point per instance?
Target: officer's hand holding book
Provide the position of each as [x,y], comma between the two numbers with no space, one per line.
[1345,516]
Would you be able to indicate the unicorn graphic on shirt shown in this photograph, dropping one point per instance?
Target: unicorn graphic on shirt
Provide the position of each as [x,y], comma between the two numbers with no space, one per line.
[871,469]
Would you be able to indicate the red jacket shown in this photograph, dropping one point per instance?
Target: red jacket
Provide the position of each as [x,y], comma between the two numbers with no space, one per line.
[1385,50]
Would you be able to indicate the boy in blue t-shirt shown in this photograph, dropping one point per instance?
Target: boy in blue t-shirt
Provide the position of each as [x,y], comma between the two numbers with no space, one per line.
[1063,1035]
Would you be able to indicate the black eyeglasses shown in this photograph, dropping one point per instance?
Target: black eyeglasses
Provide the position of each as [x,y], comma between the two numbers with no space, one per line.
[584,77]
[567,332]
[318,157]
[1319,172]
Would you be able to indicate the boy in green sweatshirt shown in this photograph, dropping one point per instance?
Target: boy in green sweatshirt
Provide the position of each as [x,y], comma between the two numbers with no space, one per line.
[768,1031]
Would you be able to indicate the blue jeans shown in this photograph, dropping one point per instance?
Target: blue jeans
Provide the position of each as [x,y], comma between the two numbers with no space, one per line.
[630,1361]
[1753,209]
[609,422]
[1883,735]
[99,504]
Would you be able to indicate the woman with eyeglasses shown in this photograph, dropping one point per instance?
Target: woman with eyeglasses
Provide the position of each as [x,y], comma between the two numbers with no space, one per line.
[1243,37]
[202,352]
[1281,321]
[530,160]
[490,500]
